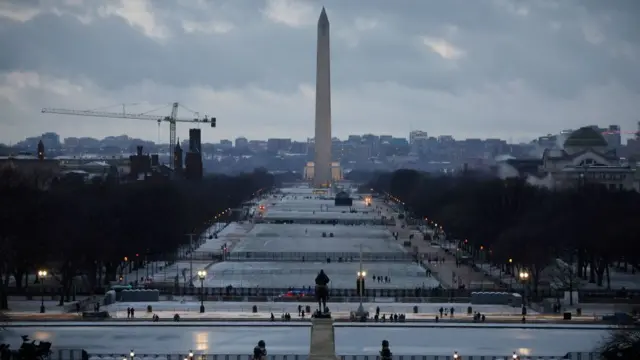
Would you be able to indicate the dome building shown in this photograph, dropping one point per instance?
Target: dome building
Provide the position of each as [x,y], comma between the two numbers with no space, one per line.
[586,157]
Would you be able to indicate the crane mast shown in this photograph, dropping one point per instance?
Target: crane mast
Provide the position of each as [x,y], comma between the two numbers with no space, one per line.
[172,119]
[172,133]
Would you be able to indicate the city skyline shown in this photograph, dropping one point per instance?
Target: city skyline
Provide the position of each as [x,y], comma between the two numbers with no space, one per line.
[516,71]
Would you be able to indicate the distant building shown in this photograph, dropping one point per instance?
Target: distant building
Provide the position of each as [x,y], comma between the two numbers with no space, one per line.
[38,168]
[241,143]
[587,158]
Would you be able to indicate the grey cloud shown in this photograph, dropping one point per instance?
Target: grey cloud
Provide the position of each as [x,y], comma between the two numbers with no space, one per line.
[500,47]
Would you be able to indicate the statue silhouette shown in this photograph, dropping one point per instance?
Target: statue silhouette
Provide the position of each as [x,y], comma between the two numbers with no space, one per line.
[322,290]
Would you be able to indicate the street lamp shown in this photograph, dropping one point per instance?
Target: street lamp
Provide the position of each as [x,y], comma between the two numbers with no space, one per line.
[515,356]
[190,355]
[132,354]
[42,274]
[360,287]
[455,355]
[523,275]
[202,274]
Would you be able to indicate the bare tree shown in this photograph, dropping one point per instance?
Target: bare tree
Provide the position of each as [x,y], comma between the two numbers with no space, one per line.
[621,344]
[564,276]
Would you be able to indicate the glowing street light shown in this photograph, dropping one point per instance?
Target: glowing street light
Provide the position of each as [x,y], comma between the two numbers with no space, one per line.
[455,355]
[202,274]
[523,275]
[132,354]
[42,274]
[360,285]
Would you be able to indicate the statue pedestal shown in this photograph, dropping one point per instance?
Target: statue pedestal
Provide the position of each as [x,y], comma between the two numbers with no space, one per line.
[322,315]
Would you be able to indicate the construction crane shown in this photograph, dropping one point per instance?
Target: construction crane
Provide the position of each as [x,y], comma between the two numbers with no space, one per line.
[171,119]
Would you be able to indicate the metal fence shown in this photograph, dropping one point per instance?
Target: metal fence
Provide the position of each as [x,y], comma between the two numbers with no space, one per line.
[77,356]
[319,256]
[169,288]
[275,292]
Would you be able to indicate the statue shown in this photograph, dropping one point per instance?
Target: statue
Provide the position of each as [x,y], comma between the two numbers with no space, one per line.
[322,291]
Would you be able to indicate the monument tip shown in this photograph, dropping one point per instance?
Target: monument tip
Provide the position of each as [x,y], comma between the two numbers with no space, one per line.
[323,15]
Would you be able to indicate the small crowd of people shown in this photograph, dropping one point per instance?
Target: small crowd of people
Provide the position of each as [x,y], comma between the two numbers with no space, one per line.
[131,313]
[284,317]
[446,312]
[381,279]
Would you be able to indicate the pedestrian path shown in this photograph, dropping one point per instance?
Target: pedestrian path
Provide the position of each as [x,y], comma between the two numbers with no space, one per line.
[322,345]
[450,275]
[145,317]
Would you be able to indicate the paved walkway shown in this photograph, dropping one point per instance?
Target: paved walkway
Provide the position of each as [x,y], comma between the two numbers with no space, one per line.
[449,275]
[322,345]
[264,316]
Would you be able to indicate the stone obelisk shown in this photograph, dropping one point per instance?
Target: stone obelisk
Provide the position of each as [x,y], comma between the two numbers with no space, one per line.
[322,160]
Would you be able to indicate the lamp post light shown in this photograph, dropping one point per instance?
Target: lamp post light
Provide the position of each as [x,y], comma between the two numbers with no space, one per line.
[190,355]
[42,274]
[523,275]
[360,285]
[202,274]
[456,356]
[361,275]
[131,354]
[515,356]
[510,273]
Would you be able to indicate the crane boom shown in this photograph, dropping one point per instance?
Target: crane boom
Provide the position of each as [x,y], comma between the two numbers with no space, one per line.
[171,119]
[115,115]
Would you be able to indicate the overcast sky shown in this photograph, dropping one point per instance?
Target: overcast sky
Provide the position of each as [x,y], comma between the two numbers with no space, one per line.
[469,68]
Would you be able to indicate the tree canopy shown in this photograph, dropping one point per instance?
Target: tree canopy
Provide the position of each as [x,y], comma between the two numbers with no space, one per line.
[74,227]
[589,224]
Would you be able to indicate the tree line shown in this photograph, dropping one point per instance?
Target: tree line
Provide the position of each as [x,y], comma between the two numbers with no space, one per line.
[73,228]
[513,222]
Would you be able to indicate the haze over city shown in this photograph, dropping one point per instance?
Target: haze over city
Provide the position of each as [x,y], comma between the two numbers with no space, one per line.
[502,69]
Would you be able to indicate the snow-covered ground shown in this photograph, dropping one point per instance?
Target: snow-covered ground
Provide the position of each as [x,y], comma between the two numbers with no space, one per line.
[297,274]
[295,339]
[618,279]
[160,272]
[169,273]
[213,245]
[303,238]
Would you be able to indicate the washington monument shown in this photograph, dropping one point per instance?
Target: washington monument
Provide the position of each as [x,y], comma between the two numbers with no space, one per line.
[322,159]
